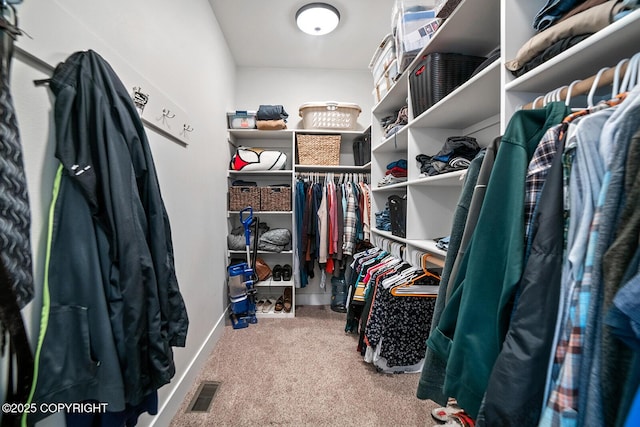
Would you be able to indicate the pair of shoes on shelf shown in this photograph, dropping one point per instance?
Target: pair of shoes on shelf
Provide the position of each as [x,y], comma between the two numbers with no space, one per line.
[267,305]
[284,302]
[281,272]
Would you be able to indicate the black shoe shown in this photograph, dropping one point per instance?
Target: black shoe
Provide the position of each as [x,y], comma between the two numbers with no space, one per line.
[276,273]
[286,272]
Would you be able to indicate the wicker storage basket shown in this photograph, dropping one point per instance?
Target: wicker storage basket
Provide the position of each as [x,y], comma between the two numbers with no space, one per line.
[318,149]
[275,199]
[329,115]
[437,75]
[242,197]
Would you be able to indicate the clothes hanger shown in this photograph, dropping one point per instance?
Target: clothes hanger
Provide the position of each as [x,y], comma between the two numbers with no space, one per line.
[594,87]
[631,75]
[616,78]
[401,277]
[567,100]
[413,289]
[558,93]
[535,101]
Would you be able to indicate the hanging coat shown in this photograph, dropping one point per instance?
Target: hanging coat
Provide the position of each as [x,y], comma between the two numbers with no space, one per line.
[474,322]
[526,348]
[110,249]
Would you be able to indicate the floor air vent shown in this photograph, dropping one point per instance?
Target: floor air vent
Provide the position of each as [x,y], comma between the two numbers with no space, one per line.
[203,397]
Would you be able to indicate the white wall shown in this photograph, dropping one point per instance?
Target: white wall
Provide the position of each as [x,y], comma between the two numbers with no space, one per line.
[179,48]
[292,87]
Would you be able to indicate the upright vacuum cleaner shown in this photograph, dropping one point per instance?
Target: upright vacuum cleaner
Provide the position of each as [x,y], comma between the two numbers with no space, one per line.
[242,277]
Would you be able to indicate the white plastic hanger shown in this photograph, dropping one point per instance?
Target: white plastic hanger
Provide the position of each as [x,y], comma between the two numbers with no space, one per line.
[631,76]
[616,78]
[594,87]
[535,101]
[569,90]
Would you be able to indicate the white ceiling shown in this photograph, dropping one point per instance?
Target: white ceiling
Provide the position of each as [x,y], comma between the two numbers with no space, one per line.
[263,33]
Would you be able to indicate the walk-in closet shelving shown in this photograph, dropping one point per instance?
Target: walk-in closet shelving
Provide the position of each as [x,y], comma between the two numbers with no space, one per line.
[473,109]
[605,48]
[280,140]
[263,213]
[412,246]
[336,169]
[285,141]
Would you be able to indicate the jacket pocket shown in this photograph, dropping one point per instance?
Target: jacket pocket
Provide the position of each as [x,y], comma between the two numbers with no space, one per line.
[65,358]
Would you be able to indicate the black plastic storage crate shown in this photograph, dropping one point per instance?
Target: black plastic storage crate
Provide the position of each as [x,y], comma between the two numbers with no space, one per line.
[437,75]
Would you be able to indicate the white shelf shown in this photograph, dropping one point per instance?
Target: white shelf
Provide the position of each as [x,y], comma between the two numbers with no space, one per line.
[270,283]
[474,101]
[395,143]
[347,136]
[243,252]
[329,132]
[261,134]
[236,213]
[472,29]
[328,168]
[429,246]
[603,49]
[450,179]
[394,99]
[287,172]
[273,315]
[388,235]
[390,187]
[426,245]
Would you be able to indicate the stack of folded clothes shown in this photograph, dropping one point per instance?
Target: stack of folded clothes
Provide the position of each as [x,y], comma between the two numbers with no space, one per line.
[271,240]
[383,219]
[443,243]
[392,124]
[456,154]
[562,24]
[396,172]
[271,117]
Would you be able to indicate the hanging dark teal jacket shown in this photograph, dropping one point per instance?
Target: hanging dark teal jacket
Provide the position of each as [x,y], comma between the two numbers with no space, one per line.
[112,308]
[476,318]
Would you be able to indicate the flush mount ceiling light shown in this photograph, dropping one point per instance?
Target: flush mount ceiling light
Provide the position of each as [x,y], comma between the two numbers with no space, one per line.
[317,19]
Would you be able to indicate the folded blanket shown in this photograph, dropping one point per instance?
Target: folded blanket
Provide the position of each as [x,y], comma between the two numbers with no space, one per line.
[271,124]
[264,246]
[277,236]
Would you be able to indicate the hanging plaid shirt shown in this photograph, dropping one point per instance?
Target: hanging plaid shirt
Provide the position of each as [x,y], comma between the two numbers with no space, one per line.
[563,402]
[350,223]
[537,173]
[590,179]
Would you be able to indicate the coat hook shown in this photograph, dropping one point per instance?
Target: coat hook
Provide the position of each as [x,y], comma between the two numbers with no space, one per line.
[186,128]
[140,99]
[166,114]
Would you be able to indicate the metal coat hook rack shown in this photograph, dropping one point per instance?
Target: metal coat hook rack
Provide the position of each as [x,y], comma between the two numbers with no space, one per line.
[166,113]
[186,128]
[140,99]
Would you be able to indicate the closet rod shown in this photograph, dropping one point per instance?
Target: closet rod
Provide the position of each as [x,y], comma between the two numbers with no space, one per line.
[324,174]
[584,86]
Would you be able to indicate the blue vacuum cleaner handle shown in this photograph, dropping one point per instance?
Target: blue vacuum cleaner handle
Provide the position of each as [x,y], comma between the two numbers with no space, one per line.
[246,222]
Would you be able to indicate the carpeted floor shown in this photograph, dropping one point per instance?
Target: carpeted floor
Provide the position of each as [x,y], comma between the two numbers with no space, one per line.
[302,372]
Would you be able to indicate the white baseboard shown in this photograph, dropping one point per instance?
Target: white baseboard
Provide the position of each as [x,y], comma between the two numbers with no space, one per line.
[174,400]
